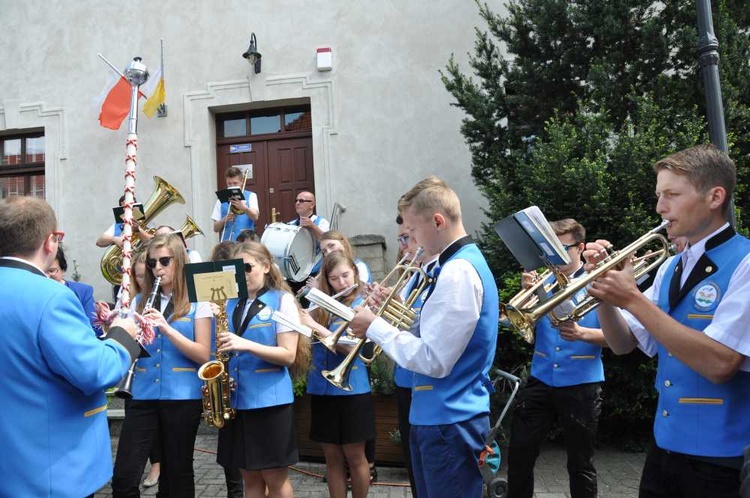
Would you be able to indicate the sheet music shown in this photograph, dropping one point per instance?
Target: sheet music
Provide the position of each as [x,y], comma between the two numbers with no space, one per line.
[551,243]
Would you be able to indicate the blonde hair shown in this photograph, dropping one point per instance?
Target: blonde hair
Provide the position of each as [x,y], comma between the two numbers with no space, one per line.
[705,167]
[139,258]
[429,196]
[336,235]
[173,243]
[274,280]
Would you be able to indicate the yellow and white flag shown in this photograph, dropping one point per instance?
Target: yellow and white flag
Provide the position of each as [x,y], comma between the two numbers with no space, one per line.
[155,91]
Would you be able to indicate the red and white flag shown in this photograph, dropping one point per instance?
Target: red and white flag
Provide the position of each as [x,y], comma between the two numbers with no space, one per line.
[116,104]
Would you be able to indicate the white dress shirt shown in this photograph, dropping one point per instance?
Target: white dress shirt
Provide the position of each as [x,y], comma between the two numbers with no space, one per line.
[729,323]
[447,323]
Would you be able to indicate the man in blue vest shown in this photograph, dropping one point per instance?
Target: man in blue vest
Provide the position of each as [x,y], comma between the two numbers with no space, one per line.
[450,350]
[243,213]
[695,318]
[53,426]
[304,205]
[564,385]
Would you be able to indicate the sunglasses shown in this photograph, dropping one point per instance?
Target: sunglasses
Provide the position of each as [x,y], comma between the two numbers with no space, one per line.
[403,240]
[248,267]
[59,235]
[302,200]
[164,261]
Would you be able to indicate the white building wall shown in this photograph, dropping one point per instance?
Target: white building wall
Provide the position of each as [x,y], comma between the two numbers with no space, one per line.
[381,119]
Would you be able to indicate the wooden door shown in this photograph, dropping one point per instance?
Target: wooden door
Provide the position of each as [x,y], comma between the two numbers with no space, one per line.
[290,170]
[280,169]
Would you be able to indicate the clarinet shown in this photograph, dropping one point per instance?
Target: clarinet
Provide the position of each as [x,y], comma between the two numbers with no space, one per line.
[124,389]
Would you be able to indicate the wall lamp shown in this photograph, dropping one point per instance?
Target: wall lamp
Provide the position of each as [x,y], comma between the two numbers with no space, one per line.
[252,55]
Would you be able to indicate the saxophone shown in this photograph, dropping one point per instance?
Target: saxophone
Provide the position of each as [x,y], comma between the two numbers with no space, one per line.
[217,384]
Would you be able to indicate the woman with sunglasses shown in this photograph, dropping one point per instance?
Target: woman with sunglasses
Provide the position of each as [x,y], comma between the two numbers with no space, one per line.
[340,420]
[260,439]
[166,406]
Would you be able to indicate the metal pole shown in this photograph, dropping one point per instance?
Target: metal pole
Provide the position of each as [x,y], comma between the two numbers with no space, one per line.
[708,56]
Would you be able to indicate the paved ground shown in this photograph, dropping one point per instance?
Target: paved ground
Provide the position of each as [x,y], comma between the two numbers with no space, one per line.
[619,474]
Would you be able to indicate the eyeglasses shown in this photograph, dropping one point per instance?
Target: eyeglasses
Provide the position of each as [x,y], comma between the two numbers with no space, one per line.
[248,267]
[568,246]
[59,236]
[403,240]
[302,201]
[164,261]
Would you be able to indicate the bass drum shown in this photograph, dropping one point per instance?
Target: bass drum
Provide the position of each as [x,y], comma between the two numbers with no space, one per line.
[292,248]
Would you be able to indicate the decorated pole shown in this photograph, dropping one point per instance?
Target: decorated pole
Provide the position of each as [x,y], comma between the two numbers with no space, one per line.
[708,56]
[136,74]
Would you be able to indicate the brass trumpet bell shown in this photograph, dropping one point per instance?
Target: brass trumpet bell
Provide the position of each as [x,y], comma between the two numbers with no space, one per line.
[398,314]
[530,305]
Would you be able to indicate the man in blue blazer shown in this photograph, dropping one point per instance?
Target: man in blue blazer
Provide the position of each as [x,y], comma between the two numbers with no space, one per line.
[53,426]
[84,292]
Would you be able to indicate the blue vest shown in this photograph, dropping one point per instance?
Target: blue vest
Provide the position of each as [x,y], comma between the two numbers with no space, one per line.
[118,229]
[695,416]
[365,278]
[401,376]
[259,383]
[561,363]
[241,222]
[318,259]
[465,393]
[324,359]
[168,374]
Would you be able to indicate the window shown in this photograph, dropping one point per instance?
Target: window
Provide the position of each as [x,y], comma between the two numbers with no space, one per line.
[22,165]
[265,122]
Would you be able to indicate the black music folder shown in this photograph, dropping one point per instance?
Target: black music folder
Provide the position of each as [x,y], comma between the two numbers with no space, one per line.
[215,281]
[138,214]
[530,238]
[230,193]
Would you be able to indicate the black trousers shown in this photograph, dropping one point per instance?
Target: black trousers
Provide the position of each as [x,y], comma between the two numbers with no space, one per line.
[538,406]
[173,425]
[403,402]
[674,475]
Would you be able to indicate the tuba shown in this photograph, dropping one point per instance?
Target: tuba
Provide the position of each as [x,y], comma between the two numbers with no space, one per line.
[396,313]
[529,305]
[218,385]
[164,195]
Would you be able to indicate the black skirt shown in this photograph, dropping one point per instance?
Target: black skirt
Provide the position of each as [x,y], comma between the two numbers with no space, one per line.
[259,439]
[342,419]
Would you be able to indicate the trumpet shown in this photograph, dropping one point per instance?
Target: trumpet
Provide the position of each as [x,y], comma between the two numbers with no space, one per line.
[124,389]
[530,305]
[398,314]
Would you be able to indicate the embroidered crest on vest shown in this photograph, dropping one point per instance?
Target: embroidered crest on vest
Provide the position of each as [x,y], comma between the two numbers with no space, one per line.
[265,314]
[706,297]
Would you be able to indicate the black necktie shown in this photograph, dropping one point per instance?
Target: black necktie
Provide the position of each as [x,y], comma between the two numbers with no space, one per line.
[168,310]
[674,284]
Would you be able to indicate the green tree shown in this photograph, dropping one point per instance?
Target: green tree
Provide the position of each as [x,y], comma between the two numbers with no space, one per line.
[568,105]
